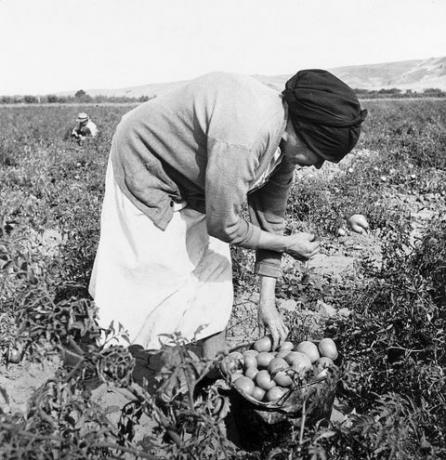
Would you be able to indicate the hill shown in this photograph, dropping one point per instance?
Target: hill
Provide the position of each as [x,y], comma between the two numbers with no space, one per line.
[416,75]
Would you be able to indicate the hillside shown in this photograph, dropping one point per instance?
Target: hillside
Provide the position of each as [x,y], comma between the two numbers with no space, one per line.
[416,75]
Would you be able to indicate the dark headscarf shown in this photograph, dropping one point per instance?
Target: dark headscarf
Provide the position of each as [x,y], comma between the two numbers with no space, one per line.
[325,113]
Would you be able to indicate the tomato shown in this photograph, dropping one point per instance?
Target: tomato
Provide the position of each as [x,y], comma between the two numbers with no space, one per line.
[321,366]
[310,349]
[14,355]
[233,361]
[250,361]
[282,354]
[236,355]
[276,365]
[250,353]
[230,365]
[293,355]
[286,346]
[327,348]
[244,384]
[251,372]
[324,362]
[358,223]
[258,393]
[283,379]
[263,380]
[264,358]
[263,344]
[298,361]
[235,374]
[274,394]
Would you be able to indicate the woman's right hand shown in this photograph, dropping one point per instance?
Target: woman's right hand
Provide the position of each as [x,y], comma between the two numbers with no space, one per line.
[302,246]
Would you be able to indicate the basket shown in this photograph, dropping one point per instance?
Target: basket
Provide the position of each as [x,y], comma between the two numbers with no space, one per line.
[312,398]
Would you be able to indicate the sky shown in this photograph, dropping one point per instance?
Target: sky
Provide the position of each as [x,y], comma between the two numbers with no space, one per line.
[49,46]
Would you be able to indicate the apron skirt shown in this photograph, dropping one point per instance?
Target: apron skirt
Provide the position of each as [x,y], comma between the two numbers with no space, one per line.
[158,283]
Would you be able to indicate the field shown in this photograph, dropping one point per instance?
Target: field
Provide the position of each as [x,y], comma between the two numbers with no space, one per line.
[381,296]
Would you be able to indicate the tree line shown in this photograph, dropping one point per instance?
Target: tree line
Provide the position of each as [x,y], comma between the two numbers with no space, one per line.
[399,93]
[82,97]
[79,97]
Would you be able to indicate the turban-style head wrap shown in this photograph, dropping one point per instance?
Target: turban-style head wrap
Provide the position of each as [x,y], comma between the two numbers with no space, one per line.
[325,113]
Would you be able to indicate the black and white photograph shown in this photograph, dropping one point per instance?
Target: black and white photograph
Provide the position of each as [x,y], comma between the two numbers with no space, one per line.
[223,229]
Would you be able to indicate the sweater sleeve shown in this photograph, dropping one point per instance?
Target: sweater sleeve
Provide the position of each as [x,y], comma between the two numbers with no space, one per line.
[229,171]
[267,207]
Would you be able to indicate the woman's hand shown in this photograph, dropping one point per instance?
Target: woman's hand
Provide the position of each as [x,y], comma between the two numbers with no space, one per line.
[302,246]
[269,316]
[273,321]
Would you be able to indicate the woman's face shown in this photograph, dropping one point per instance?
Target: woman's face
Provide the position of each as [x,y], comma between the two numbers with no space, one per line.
[297,151]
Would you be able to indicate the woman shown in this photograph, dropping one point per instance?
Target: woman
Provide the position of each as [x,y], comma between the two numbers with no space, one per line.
[181,167]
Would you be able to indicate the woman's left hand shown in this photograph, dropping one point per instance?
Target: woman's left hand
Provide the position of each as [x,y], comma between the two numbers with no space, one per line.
[273,321]
[269,316]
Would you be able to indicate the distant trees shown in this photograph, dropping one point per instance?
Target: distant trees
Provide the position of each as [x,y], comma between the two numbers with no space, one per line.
[433,92]
[29,99]
[52,98]
[398,93]
[82,96]
[79,96]
[390,91]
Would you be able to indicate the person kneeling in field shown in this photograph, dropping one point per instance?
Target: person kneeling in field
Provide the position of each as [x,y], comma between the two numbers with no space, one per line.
[84,128]
[180,169]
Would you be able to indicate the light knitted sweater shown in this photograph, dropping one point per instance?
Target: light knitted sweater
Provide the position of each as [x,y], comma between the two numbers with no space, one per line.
[207,143]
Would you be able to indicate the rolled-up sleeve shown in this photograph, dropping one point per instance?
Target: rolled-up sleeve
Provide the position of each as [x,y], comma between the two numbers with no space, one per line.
[229,171]
[267,208]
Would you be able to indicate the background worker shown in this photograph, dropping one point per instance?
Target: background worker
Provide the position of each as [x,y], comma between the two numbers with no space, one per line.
[84,128]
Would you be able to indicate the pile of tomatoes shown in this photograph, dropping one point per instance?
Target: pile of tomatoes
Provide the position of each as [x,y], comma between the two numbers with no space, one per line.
[267,375]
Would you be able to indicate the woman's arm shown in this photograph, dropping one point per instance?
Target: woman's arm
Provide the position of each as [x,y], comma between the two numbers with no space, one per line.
[267,208]
[268,313]
[229,172]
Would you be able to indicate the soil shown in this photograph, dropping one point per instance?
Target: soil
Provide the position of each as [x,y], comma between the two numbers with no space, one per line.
[18,382]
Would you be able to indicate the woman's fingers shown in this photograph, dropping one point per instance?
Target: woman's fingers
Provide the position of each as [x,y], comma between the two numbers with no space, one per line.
[270,317]
[274,336]
[285,333]
[303,243]
[278,330]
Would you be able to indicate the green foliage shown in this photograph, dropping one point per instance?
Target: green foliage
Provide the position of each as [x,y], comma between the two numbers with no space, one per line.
[431,259]
[392,345]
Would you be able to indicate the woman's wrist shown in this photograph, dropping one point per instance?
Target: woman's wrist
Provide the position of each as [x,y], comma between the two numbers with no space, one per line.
[273,242]
[267,291]
[285,243]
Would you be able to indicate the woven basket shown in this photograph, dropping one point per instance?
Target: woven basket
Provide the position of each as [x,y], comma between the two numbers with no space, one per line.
[313,397]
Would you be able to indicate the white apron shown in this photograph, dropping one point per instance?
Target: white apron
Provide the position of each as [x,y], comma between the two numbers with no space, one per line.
[158,282]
